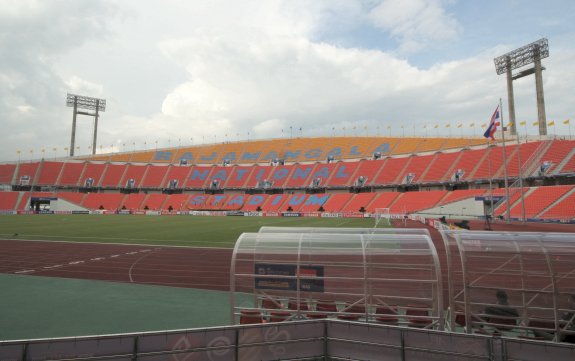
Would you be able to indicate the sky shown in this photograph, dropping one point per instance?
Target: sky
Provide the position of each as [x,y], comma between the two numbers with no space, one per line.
[180,73]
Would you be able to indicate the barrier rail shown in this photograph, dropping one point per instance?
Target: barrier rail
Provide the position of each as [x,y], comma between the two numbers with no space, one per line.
[305,340]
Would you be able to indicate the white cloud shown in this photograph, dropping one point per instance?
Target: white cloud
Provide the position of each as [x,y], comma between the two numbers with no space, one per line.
[417,24]
[199,70]
[77,85]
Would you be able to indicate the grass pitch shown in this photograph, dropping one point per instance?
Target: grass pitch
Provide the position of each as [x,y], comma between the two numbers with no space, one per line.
[192,231]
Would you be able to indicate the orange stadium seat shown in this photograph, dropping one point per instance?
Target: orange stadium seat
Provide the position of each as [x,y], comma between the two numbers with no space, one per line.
[439,166]
[563,209]
[94,171]
[539,199]
[107,201]
[234,202]
[295,202]
[407,146]
[207,155]
[254,201]
[176,201]
[230,151]
[514,195]
[495,157]
[154,202]
[454,143]
[431,144]
[569,167]
[382,200]
[72,197]
[337,201]
[280,174]
[154,176]
[7,173]
[299,176]
[24,204]
[71,173]
[322,173]
[343,174]
[215,202]
[239,176]
[556,153]
[142,157]
[468,161]
[360,200]
[527,150]
[196,201]
[368,169]
[135,172]
[120,157]
[8,200]
[313,202]
[27,169]
[49,173]
[177,173]
[417,165]
[255,151]
[410,202]
[112,175]
[260,173]
[134,201]
[275,203]
[201,176]
[390,174]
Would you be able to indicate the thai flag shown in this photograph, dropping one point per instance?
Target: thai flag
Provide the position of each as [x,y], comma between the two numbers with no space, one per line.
[493,124]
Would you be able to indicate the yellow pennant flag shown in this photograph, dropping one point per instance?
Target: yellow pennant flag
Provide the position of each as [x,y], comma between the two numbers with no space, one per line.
[459,125]
[471,125]
[424,126]
[17,152]
[389,127]
[447,125]
[510,124]
[483,125]
[535,123]
[566,121]
[551,123]
[523,122]
[436,126]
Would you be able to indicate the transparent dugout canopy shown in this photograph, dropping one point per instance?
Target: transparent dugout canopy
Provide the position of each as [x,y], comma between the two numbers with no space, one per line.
[360,276]
[534,272]
[344,230]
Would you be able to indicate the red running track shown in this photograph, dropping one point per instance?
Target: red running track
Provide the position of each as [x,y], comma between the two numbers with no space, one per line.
[204,268]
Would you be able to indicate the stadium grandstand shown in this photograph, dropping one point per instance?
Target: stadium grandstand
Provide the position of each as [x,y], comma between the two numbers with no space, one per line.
[339,176]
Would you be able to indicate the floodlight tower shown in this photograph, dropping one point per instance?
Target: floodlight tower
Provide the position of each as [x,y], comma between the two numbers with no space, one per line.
[531,53]
[82,102]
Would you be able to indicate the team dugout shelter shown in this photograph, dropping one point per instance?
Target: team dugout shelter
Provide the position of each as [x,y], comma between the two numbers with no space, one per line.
[511,283]
[386,275]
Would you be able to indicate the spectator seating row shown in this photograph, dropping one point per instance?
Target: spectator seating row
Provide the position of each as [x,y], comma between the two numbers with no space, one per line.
[291,149]
[550,202]
[477,164]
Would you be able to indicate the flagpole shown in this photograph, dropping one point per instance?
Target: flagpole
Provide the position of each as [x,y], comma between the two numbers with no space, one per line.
[508,212]
[520,178]
[490,177]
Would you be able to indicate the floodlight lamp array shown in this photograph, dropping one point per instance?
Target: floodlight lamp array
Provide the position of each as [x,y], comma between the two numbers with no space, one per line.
[84,102]
[520,57]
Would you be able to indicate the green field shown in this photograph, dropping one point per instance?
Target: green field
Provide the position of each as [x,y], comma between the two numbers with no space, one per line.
[193,231]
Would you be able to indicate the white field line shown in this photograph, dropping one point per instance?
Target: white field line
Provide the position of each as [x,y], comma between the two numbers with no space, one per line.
[110,243]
